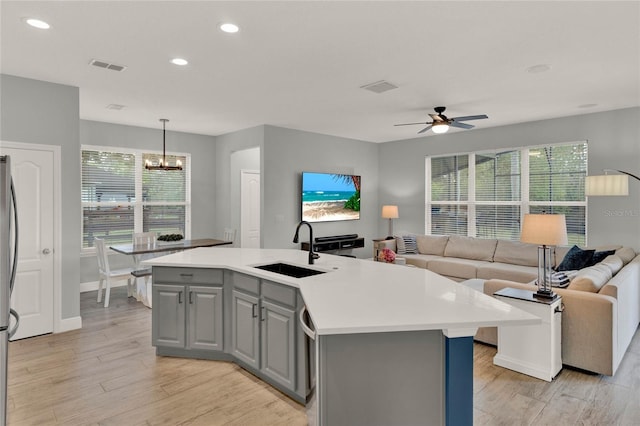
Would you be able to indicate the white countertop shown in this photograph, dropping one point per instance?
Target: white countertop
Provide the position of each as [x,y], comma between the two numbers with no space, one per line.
[363,296]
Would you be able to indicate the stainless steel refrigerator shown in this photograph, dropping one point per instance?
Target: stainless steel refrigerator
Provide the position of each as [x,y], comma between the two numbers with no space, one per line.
[8,264]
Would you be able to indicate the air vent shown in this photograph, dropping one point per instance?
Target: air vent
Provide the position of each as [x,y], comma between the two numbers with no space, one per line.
[107,65]
[116,107]
[379,86]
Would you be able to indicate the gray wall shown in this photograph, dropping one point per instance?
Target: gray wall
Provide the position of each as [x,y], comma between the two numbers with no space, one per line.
[286,154]
[226,146]
[45,113]
[614,142]
[202,150]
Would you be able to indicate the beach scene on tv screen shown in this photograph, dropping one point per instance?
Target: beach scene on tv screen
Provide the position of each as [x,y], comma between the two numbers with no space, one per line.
[328,197]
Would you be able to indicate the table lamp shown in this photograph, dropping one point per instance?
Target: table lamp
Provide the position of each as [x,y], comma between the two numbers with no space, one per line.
[545,230]
[390,212]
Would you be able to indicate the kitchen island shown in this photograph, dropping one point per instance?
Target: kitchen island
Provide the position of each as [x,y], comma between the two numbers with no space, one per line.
[393,344]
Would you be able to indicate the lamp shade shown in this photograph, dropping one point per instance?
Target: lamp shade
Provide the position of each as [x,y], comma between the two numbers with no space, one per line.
[544,229]
[390,212]
[606,185]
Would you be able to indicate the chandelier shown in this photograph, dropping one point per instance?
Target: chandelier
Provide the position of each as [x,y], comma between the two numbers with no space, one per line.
[163,164]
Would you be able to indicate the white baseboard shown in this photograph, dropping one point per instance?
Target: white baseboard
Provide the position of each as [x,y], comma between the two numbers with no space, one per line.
[93,285]
[68,324]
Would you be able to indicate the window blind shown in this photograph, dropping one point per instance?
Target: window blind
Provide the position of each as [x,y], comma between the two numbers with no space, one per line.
[120,197]
[486,194]
[450,178]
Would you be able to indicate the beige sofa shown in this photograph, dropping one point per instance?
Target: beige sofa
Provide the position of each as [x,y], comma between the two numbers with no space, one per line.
[463,258]
[602,302]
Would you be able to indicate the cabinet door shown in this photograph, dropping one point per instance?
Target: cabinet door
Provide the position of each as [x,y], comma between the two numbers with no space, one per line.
[168,325]
[205,318]
[244,330]
[278,343]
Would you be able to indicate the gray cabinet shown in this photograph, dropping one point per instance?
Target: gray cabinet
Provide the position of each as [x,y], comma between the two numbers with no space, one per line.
[264,328]
[226,315]
[278,342]
[204,329]
[189,310]
[245,331]
[168,329]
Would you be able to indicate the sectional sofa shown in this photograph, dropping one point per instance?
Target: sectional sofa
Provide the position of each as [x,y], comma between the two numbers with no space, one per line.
[602,301]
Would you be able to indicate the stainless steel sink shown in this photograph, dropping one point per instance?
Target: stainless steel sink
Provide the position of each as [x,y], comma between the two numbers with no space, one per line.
[289,270]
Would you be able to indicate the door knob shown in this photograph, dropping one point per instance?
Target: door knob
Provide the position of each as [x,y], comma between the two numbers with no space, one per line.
[46,251]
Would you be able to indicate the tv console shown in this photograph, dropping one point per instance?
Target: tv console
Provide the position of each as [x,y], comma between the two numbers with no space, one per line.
[335,243]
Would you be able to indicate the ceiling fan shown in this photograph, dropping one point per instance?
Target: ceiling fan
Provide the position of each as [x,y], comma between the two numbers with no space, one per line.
[441,122]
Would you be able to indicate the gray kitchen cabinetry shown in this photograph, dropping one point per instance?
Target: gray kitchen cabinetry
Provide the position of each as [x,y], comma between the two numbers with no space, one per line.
[277,343]
[189,310]
[245,337]
[264,328]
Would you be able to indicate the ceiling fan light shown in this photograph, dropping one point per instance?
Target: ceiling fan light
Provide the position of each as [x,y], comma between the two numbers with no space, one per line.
[440,127]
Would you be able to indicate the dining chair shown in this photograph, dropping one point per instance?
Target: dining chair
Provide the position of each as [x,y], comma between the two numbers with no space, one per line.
[229,235]
[148,239]
[144,238]
[106,274]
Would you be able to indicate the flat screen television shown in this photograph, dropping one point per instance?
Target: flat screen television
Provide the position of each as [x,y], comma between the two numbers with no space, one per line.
[329,197]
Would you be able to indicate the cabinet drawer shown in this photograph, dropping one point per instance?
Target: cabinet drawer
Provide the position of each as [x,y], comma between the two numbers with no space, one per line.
[246,283]
[162,274]
[279,293]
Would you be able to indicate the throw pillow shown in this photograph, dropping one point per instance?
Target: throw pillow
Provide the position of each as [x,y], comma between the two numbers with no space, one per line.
[400,248]
[599,256]
[410,244]
[576,258]
[406,244]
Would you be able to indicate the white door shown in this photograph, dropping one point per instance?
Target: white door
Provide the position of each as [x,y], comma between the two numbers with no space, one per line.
[249,209]
[32,298]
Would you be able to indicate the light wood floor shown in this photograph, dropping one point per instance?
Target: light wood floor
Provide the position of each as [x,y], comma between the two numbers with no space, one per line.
[107,374]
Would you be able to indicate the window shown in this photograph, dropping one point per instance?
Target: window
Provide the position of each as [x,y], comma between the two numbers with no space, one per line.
[120,197]
[485,194]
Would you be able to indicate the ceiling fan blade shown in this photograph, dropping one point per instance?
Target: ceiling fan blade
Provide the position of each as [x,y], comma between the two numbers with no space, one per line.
[470,117]
[425,129]
[437,117]
[461,125]
[410,124]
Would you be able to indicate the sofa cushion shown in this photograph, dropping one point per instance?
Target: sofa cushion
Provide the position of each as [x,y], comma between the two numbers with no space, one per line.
[591,279]
[504,271]
[419,260]
[576,258]
[516,253]
[613,262]
[470,248]
[455,267]
[626,254]
[406,244]
[432,244]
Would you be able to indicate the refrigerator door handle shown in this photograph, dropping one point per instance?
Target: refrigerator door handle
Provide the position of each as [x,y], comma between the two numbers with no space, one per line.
[15,327]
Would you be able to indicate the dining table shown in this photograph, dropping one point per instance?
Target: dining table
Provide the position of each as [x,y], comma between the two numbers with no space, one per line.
[142,252]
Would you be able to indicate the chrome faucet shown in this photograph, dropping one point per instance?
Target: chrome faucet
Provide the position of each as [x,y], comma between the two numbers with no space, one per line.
[312,255]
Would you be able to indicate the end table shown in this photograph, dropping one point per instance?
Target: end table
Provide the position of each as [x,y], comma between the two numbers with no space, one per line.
[534,350]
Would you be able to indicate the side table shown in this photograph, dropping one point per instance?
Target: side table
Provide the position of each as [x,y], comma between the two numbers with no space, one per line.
[378,245]
[534,350]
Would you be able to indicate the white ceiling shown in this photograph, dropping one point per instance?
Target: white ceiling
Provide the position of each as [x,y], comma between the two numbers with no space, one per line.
[301,64]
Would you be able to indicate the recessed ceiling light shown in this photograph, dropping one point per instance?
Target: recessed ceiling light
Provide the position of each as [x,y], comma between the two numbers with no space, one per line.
[537,69]
[37,23]
[229,27]
[179,61]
